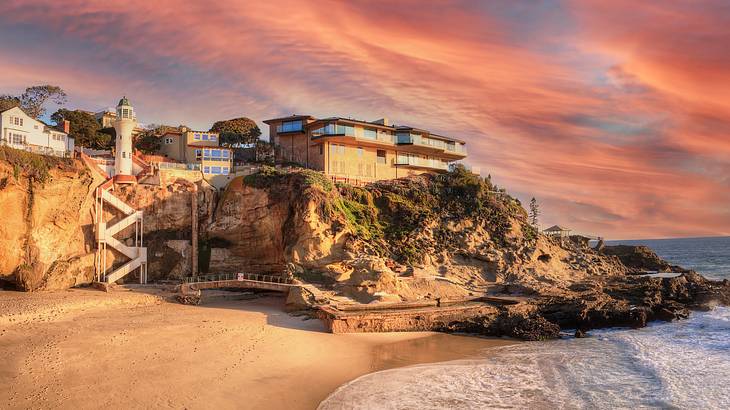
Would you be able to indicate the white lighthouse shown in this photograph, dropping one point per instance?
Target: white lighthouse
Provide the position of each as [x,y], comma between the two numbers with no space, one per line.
[124,125]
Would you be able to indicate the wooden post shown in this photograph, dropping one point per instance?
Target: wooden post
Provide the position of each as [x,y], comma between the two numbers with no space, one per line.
[194,230]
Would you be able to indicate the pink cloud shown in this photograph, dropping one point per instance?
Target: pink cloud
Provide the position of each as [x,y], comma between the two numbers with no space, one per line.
[614,114]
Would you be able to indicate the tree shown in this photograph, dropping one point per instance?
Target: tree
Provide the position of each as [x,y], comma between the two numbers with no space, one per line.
[84,128]
[237,131]
[8,101]
[534,212]
[33,99]
[148,141]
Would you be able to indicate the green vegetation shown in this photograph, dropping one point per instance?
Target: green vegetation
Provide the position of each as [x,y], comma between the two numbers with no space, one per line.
[405,218]
[265,178]
[34,166]
[33,99]
[237,131]
[83,128]
[269,176]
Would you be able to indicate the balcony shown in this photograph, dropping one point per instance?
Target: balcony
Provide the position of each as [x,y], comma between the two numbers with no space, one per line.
[419,162]
[428,145]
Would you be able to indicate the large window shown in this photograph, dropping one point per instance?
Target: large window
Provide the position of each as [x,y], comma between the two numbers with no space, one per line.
[290,126]
[335,129]
[370,134]
[17,139]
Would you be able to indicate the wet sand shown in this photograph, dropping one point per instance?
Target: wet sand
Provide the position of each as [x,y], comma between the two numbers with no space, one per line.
[88,349]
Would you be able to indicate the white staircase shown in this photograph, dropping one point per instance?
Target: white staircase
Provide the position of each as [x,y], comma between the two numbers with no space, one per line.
[105,237]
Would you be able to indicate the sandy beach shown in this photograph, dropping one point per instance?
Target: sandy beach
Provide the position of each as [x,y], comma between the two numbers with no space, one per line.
[83,348]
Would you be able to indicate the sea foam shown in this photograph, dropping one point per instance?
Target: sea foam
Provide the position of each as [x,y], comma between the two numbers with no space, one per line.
[684,364]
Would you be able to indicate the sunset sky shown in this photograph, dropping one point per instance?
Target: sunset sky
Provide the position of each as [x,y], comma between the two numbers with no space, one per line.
[614,114]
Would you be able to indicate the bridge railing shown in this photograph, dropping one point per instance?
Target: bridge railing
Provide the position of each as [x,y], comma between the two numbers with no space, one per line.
[237,276]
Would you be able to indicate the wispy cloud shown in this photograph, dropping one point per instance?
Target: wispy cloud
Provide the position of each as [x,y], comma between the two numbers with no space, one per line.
[615,115]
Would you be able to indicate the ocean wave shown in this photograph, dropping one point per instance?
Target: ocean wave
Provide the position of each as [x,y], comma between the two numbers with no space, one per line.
[683,364]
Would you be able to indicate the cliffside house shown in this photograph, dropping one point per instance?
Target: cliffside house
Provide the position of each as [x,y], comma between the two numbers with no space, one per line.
[19,130]
[557,231]
[361,150]
[198,150]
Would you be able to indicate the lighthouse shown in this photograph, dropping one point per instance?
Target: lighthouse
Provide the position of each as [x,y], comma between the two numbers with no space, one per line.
[124,125]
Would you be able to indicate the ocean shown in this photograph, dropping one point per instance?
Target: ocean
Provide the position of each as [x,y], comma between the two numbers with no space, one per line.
[679,365]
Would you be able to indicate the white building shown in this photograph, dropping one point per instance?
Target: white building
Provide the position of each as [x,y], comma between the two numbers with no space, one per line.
[18,130]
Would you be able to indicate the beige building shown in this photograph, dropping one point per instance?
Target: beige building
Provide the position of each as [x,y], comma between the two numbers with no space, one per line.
[199,149]
[107,118]
[362,150]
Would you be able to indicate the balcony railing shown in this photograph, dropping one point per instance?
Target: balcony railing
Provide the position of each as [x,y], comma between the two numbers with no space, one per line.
[421,162]
[175,165]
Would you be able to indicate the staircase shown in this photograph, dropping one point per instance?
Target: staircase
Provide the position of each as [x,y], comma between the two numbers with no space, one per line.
[137,254]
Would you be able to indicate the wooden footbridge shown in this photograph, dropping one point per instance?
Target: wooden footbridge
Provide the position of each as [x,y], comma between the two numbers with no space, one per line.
[236,280]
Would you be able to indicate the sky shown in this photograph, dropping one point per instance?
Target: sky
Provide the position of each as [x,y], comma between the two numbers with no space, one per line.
[615,114]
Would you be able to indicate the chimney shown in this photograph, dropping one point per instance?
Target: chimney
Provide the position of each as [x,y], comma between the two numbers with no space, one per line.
[66,126]
[382,121]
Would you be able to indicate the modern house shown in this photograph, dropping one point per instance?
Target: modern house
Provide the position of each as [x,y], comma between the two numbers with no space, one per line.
[21,131]
[198,148]
[367,151]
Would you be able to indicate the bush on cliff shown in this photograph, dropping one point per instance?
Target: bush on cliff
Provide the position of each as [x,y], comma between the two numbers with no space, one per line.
[33,166]
[393,218]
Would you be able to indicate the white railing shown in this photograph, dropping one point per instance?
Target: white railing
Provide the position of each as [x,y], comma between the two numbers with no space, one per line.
[177,166]
[37,149]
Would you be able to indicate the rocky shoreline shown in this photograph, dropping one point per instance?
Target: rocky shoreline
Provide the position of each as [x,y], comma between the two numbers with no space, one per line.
[618,302]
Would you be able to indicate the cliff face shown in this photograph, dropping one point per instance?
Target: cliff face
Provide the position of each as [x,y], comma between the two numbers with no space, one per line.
[433,237]
[46,232]
[262,228]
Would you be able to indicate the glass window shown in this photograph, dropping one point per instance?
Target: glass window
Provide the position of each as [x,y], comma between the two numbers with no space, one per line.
[205,137]
[212,137]
[226,153]
[333,148]
[403,138]
[206,152]
[370,133]
[206,170]
[215,170]
[196,136]
[342,149]
[215,153]
[359,151]
[381,156]
[290,126]
[345,130]
[224,170]
[197,154]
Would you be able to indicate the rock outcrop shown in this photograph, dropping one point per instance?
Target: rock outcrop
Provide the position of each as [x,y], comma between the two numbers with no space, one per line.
[46,231]
[640,259]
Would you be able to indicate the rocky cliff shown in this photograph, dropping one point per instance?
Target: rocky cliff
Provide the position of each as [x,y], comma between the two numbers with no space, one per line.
[423,237]
[46,232]
[443,238]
